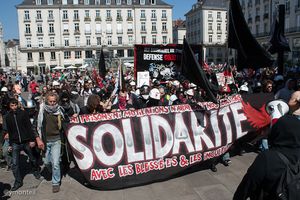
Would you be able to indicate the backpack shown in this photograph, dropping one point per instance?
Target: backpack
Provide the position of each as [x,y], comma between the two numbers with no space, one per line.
[288,187]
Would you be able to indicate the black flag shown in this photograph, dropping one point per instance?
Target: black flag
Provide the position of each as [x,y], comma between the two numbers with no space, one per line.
[250,53]
[192,70]
[278,41]
[101,65]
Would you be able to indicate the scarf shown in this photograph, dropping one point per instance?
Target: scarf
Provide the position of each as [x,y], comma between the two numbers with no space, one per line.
[55,110]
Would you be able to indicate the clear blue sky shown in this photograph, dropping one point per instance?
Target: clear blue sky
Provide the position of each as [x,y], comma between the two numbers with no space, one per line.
[8,14]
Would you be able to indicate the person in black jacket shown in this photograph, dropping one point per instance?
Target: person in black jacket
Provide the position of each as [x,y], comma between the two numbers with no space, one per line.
[21,137]
[261,179]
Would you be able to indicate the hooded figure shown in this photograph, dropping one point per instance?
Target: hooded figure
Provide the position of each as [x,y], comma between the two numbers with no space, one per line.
[261,179]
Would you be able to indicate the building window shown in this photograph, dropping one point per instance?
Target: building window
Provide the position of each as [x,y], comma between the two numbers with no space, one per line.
[210,15]
[118,2]
[119,28]
[143,39]
[108,14]
[120,42]
[210,26]
[143,26]
[75,2]
[143,14]
[41,56]
[66,42]
[129,27]
[50,14]
[219,27]
[129,14]
[52,42]
[77,54]
[153,14]
[108,2]
[97,13]
[86,2]
[88,41]
[119,15]
[40,42]
[164,26]
[88,54]
[164,14]
[97,2]
[65,2]
[76,14]
[77,41]
[87,13]
[153,2]
[218,15]
[109,42]
[153,39]
[287,6]
[210,38]
[76,27]
[66,27]
[50,2]
[53,57]
[129,2]
[26,15]
[164,39]
[130,39]
[88,28]
[29,56]
[67,54]
[28,42]
[108,28]
[219,38]
[142,2]
[65,14]
[39,28]
[153,26]
[38,14]
[38,2]
[98,41]
[98,28]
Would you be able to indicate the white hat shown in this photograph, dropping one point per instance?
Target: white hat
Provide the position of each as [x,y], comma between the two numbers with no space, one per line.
[175,83]
[154,94]
[4,89]
[55,83]
[244,88]
[190,92]
[192,85]
[132,83]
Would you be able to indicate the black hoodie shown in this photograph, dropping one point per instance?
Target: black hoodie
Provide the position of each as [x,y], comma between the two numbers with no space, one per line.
[19,127]
[261,179]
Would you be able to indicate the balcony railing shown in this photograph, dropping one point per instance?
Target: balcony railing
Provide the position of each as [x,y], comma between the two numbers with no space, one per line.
[119,19]
[129,19]
[108,18]
[98,19]
[87,19]
[143,19]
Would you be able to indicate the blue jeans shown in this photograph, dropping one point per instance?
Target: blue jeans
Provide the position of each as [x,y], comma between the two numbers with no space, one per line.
[52,156]
[16,148]
[7,156]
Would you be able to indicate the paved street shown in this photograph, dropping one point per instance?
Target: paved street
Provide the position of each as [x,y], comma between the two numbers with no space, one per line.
[202,185]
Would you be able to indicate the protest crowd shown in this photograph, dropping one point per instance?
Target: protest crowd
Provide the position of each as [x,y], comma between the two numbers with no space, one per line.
[34,125]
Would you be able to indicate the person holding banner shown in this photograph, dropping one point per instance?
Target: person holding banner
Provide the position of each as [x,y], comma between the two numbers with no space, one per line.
[49,127]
